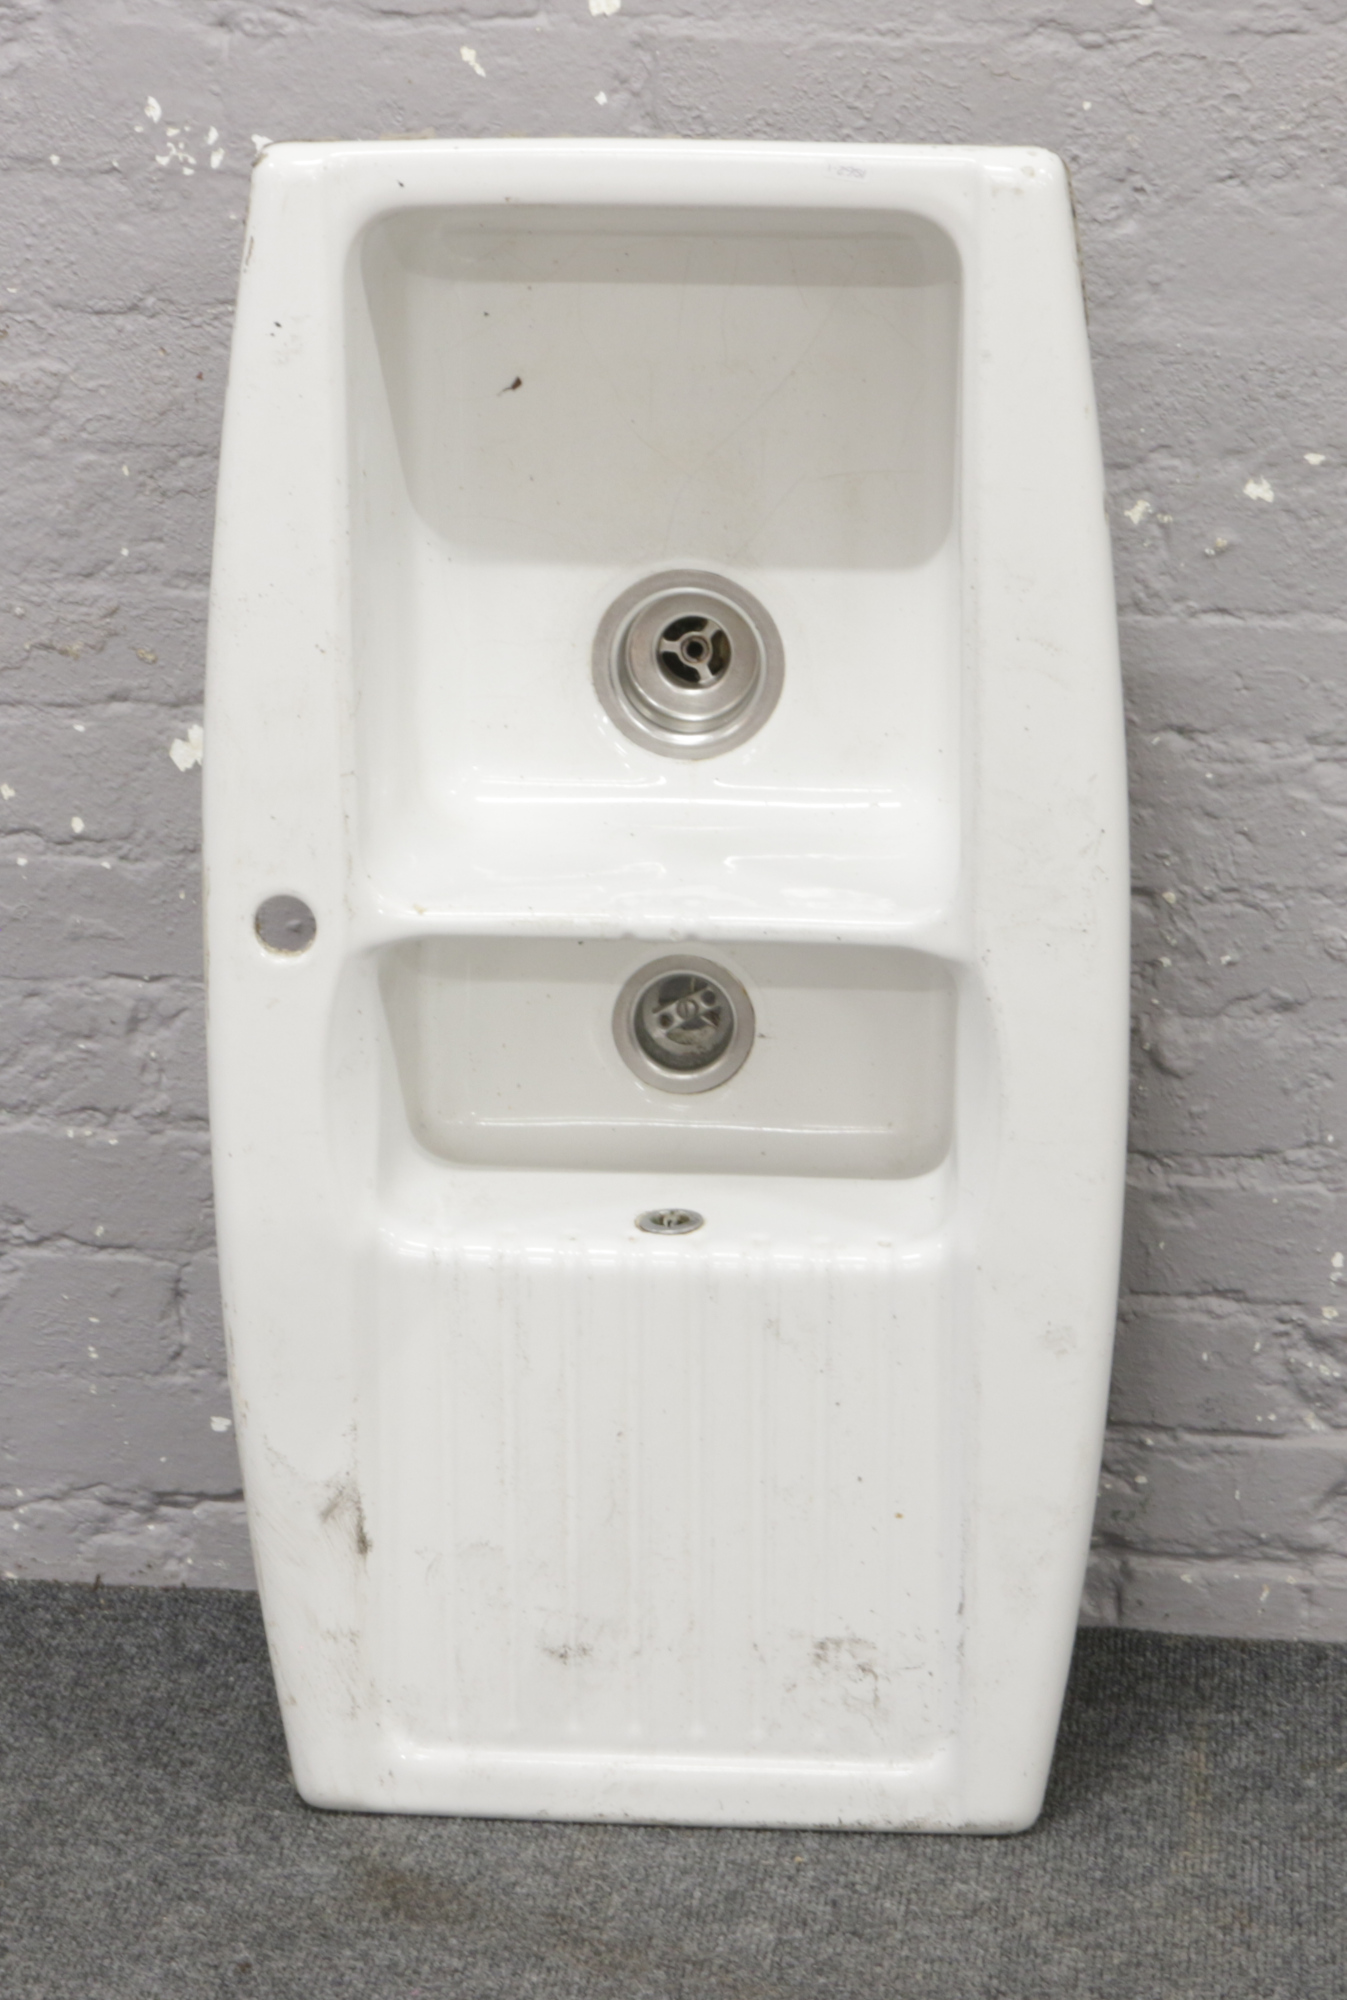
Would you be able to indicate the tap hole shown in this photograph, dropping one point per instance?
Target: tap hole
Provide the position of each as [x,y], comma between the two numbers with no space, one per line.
[285,924]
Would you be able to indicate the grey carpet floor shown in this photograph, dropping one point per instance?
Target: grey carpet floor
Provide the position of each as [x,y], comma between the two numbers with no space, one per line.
[1194,1847]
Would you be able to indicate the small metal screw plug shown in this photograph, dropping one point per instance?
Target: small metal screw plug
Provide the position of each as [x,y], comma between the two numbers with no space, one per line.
[670,1221]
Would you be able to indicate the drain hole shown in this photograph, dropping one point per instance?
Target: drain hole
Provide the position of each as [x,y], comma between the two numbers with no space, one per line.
[694,651]
[687,663]
[683,1024]
[670,1221]
[285,924]
[684,1021]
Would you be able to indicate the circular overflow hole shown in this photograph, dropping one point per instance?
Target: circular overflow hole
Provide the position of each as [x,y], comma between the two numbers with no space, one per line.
[670,1221]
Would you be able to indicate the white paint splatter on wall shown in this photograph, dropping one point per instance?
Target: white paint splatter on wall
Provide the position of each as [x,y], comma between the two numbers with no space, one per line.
[190,749]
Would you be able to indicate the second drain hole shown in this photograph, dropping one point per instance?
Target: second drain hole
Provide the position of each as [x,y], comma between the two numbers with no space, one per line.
[684,1024]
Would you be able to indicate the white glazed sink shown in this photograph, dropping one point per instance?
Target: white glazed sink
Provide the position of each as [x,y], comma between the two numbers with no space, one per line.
[780,1518]
[506,1056]
[769,396]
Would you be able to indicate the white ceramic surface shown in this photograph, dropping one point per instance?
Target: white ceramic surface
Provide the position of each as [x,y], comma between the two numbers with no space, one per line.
[782,1521]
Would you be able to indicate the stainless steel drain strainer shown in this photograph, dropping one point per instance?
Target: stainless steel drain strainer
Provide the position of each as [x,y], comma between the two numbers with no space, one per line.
[683,1024]
[688,663]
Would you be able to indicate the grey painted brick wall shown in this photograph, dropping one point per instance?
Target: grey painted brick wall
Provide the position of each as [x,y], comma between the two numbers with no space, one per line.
[1206,147]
